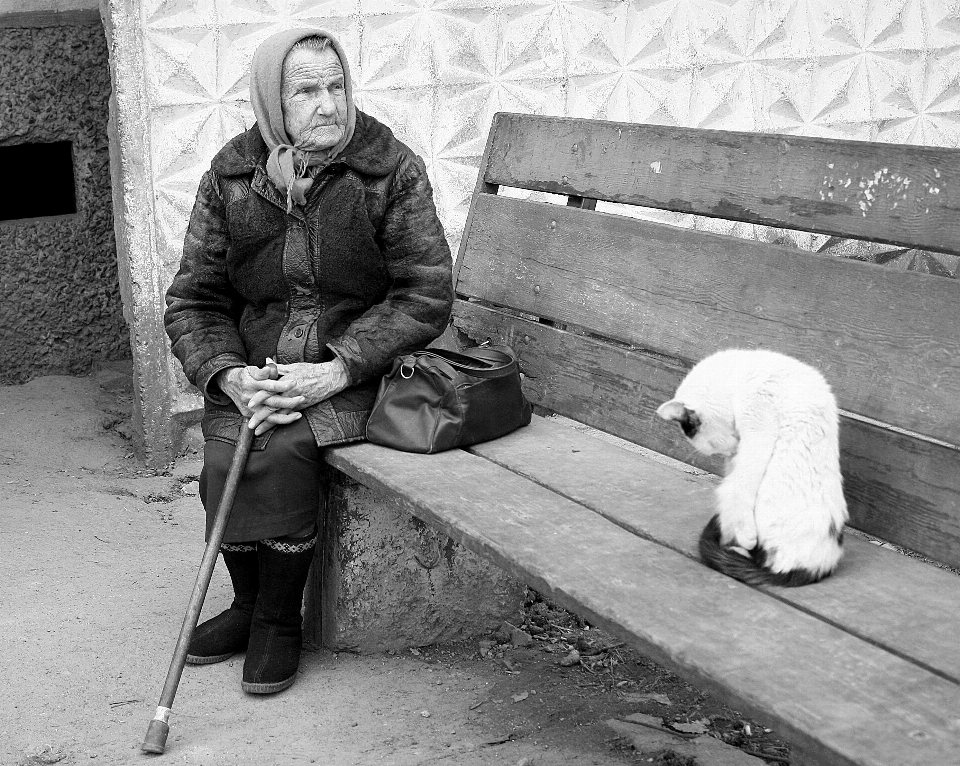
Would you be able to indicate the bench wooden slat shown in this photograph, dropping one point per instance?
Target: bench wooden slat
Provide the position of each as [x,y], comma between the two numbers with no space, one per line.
[687,293]
[903,195]
[718,633]
[891,600]
[904,490]
[601,384]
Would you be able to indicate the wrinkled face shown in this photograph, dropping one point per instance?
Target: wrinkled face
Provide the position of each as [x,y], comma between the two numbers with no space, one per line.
[709,432]
[314,98]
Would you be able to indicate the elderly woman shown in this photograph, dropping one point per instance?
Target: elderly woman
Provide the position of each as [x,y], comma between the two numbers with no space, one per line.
[314,243]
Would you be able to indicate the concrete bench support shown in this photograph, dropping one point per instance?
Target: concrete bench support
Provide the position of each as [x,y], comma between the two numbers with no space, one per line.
[385,580]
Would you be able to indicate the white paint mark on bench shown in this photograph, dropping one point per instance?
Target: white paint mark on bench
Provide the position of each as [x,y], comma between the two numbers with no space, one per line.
[883,184]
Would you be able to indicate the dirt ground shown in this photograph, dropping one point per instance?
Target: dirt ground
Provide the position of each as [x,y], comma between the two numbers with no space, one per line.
[100,555]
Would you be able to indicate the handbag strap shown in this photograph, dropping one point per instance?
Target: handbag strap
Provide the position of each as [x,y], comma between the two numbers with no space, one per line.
[480,362]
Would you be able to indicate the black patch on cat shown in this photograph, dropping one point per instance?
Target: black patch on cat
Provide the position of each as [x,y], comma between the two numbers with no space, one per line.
[753,570]
[690,423]
[836,533]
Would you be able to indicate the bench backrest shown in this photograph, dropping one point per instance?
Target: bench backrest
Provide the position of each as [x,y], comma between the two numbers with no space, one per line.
[608,312]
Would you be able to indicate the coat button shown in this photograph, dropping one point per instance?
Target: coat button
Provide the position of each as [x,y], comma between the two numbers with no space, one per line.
[298,332]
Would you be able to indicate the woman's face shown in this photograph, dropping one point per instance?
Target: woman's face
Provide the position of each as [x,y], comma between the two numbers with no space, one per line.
[314,98]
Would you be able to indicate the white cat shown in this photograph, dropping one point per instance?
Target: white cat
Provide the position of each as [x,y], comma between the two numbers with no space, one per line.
[780,507]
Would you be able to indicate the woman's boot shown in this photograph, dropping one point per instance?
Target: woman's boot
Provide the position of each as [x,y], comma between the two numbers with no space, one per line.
[273,653]
[220,637]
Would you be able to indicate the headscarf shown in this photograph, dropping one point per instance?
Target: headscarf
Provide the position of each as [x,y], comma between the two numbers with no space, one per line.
[287,164]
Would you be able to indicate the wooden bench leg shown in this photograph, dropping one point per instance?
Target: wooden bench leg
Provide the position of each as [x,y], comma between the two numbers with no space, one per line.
[385,580]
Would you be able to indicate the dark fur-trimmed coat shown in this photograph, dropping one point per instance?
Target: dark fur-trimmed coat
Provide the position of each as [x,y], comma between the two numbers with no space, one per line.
[362,271]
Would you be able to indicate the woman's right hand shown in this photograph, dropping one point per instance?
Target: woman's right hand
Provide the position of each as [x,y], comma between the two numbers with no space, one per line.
[241,384]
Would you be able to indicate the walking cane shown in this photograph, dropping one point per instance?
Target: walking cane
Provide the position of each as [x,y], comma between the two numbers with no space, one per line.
[156,739]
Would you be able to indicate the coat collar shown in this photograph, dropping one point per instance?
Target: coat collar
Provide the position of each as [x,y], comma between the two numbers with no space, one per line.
[373,150]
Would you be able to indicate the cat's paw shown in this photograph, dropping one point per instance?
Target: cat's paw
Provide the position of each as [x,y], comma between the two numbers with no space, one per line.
[739,535]
[737,525]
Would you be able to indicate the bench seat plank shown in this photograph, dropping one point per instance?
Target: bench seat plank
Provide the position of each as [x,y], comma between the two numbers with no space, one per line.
[841,700]
[904,490]
[688,293]
[906,195]
[891,600]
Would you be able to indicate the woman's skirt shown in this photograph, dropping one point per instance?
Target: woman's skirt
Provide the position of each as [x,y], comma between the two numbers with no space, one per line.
[279,492]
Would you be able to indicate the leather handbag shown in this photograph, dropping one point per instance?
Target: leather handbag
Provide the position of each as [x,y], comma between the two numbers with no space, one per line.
[435,400]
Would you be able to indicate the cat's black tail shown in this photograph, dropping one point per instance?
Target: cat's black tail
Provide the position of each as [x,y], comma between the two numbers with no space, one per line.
[749,570]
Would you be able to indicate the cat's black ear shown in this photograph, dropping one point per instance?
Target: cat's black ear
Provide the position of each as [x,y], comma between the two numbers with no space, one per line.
[688,419]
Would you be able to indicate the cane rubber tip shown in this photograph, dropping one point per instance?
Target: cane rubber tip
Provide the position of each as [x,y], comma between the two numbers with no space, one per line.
[156,739]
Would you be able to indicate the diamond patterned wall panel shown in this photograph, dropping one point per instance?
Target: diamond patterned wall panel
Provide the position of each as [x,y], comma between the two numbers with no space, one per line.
[437,70]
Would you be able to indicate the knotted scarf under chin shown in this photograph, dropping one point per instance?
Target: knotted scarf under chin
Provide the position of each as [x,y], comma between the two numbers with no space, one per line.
[287,168]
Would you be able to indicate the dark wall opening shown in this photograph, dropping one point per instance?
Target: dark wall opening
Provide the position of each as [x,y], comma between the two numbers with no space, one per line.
[41,177]
[60,305]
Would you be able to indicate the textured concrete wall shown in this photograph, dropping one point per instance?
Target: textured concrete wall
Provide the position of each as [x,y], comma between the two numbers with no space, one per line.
[10,7]
[882,70]
[60,305]
[388,581]
[34,13]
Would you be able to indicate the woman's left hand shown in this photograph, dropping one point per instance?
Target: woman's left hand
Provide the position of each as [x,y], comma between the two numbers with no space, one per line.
[313,382]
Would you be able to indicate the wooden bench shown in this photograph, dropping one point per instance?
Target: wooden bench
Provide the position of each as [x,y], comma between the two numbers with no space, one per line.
[608,311]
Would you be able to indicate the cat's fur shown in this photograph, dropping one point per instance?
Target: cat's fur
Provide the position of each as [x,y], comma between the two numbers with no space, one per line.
[780,507]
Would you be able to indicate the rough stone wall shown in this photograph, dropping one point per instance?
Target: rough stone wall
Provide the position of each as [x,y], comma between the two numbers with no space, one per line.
[60,306]
[30,12]
[385,580]
[878,70]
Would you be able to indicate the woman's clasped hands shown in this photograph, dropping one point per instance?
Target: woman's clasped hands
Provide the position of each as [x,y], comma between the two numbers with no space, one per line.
[275,394]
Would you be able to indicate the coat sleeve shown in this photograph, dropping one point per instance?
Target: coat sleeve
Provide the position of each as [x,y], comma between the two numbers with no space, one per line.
[416,308]
[202,307]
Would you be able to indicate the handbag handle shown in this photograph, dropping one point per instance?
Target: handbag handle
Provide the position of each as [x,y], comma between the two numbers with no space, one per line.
[473,363]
